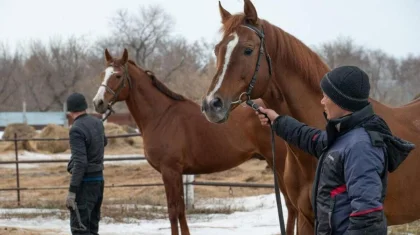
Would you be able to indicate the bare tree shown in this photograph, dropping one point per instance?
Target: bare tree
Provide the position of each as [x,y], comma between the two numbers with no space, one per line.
[52,73]
[410,74]
[174,60]
[69,62]
[9,84]
[343,51]
[36,68]
[383,70]
[141,34]
[198,66]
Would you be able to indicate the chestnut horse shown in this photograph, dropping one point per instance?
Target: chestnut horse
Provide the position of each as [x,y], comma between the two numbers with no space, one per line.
[177,137]
[256,59]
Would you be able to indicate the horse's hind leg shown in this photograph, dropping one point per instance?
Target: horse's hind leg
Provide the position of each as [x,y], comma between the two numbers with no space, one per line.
[173,188]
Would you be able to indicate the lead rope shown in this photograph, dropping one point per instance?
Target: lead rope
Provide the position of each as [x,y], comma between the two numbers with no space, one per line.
[108,113]
[255,107]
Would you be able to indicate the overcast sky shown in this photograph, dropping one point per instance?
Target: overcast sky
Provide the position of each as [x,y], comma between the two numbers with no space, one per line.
[390,25]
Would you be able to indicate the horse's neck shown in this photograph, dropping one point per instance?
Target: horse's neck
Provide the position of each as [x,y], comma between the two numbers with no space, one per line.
[302,101]
[295,82]
[274,101]
[145,102]
[295,76]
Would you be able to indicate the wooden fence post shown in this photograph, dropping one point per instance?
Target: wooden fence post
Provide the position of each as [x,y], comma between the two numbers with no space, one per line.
[188,191]
[17,170]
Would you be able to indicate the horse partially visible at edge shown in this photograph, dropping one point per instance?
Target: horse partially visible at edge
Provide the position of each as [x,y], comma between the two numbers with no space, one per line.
[256,59]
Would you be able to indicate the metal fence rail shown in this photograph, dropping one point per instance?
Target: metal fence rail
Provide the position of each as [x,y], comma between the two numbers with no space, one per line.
[63,160]
[17,162]
[57,139]
[197,183]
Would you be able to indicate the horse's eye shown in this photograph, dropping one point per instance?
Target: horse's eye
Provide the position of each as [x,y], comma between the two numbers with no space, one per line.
[118,76]
[248,51]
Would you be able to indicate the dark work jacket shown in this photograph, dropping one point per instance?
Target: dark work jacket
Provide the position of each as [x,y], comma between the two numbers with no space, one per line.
[87,143]
[354,154]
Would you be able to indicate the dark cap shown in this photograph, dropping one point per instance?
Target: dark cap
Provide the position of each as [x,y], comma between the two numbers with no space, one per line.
[76,102]
[348,87]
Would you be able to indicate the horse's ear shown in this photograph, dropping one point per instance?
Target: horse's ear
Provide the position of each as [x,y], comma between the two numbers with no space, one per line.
[223,13]
[124,57]
[108,57]
[250,12]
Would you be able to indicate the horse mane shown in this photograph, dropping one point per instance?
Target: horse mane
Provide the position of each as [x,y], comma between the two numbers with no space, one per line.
[159,85]
[290,50]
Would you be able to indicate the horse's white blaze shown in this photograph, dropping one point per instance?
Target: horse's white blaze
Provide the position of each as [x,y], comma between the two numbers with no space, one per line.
[101,91]
[229,49]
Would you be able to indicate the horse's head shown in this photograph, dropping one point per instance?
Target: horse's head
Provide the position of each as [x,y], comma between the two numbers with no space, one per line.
[243,65]
[115,82]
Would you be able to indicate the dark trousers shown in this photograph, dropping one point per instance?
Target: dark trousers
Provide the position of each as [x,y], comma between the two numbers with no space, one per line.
[89,201]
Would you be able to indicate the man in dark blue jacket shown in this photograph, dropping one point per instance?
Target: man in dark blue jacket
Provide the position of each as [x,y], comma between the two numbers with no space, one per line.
[354,153]
[87,142]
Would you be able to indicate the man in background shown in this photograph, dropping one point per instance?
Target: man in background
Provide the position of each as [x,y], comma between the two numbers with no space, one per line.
[87,143]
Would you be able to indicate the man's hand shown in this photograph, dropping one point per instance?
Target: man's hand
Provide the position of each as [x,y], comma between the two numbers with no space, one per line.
[271,114]
[71,201]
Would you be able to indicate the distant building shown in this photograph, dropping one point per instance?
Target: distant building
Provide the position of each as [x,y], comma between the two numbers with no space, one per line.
[40,119]
[35,119]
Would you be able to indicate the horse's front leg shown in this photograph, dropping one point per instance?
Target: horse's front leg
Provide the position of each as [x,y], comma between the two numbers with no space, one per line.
[176,208]
[291,218]
[181,211]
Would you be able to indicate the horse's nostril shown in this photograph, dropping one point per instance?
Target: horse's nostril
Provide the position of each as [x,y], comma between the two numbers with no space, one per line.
[100,102]
[216,103]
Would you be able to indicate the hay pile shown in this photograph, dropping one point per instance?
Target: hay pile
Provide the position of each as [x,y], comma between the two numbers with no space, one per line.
[22,131]
[115,145]
[53,131]
[121,143]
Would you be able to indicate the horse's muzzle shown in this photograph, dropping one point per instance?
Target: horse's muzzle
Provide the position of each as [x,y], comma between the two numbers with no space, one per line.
[214,110]
[100,106]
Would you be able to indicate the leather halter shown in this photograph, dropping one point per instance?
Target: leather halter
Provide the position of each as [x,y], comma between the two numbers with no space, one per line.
[115,94]
[262,48]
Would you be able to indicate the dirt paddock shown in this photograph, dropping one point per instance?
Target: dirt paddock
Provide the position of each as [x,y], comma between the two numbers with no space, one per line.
[133,172]
[23,231]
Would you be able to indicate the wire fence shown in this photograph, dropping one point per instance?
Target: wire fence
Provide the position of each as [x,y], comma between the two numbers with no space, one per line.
[18,188]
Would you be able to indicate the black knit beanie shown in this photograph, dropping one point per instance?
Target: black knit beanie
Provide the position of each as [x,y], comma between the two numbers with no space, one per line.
[76,102]
[348,87]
